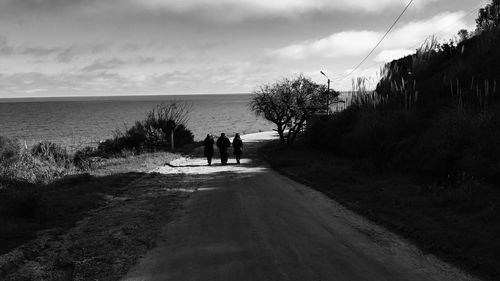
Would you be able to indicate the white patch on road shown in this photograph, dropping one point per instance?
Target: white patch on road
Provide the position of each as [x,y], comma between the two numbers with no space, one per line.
[199,166]
[258,137]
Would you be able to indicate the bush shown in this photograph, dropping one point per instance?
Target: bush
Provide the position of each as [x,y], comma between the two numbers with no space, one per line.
[289,103]
[42,164]
[82,158]
[454,147]
[111,146]
[52,152]
[152,134]
[182,136]
[434,114]
[9,149]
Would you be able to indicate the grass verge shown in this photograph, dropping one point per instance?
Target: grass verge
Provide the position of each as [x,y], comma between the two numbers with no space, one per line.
[460,224]
[30,208]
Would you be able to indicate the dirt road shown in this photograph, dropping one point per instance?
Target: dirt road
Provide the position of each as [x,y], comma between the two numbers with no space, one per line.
[248,222]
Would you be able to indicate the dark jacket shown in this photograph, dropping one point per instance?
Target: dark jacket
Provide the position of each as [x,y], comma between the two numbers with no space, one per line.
[209,147]
[237,146]
[223,143]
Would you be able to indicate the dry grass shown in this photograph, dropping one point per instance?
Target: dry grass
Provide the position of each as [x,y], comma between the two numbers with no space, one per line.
[29,207]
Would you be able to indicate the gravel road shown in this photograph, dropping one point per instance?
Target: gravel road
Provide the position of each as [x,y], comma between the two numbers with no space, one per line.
[248,222]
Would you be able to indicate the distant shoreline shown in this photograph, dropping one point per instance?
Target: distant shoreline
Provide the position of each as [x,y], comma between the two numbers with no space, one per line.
[113,98]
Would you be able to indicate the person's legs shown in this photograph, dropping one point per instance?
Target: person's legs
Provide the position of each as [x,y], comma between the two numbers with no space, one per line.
[225,157]
[209,159]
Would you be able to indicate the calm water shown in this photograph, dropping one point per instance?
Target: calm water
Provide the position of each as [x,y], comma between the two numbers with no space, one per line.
[79,122]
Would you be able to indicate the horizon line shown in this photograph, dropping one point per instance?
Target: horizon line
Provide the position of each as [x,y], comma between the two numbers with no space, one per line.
[39,98]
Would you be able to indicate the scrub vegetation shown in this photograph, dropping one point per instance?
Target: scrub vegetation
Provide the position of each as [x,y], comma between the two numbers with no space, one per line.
[48,161]
[288,104]
[420,154]
[434,115]
[47,186]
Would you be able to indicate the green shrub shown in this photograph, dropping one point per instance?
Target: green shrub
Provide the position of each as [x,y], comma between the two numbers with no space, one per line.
[82,158]
[19,165]
[434,114]
[152,134]
[454,147]
[182,136]
[111,146]
[9,149]
[50,151]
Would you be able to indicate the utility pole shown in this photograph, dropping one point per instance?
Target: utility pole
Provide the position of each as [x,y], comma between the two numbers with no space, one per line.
[327,94]
[172,141]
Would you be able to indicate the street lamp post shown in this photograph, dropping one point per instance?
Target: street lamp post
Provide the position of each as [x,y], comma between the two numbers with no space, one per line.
[327,94]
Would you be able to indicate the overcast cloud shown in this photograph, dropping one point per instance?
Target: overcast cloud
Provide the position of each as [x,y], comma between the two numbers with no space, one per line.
[121,47]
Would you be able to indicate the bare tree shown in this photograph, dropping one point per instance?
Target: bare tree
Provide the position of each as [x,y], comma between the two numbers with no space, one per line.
[288,104]
[167,117]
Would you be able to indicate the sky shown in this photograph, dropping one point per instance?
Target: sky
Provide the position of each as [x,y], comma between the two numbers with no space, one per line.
[150,47]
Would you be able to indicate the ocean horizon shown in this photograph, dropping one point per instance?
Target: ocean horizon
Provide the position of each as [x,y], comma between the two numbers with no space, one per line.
[78,121]
[114,97]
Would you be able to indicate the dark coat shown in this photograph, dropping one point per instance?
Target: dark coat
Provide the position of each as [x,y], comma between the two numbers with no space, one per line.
[223,143]
[209,147]
[237,146]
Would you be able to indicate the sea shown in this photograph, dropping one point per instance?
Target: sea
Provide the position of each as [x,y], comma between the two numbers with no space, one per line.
[80,121]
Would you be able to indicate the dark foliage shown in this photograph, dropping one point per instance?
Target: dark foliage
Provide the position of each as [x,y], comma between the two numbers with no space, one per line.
[434,114]
[50,151]
[289,103]
[152,134]
[459,223]
[489,16]
[82,158]
[9,149]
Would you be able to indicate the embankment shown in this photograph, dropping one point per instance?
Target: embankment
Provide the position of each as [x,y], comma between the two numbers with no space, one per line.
[452,222]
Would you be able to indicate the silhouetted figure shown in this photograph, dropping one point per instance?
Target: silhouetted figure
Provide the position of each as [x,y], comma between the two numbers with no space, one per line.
[222,144]
[209,148]
[237,147]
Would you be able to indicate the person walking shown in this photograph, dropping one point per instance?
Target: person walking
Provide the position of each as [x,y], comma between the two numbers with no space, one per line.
[222,144]
[209,148]
[237,147]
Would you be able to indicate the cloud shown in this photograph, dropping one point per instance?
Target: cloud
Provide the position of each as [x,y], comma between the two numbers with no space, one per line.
[107,64]
[38,51]
[62,54]
[234,9]
[5,48]
[389,55]
[131,47]
[99,65]
[218,10]
[145,60]
[91,82]
[347,43]
[356,43]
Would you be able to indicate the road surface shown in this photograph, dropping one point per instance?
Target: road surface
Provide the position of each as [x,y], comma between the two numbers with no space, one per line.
[248,222]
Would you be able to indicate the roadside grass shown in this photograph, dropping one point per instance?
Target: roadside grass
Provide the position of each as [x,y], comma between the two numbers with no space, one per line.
[459,223]
[30,207]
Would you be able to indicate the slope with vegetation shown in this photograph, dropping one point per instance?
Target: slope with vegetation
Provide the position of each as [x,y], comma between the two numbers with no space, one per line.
[434,114]
[421,153]
[47,186]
